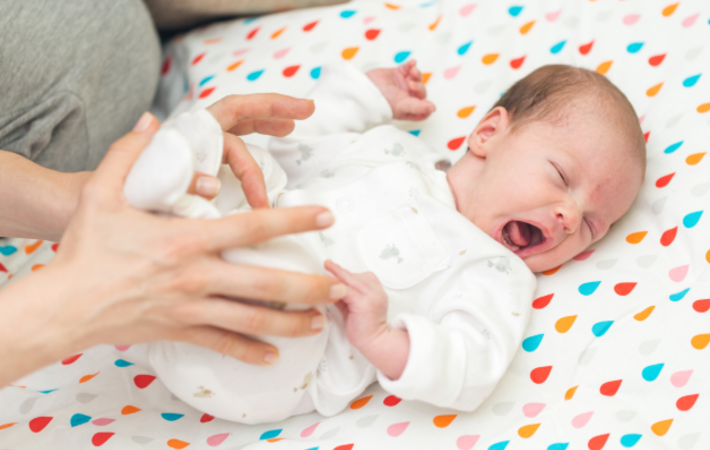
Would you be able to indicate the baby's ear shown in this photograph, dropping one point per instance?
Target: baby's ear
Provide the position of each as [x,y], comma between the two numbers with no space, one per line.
[493,124]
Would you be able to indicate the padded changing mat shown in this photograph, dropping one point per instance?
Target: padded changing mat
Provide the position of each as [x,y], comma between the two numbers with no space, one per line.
[617,353]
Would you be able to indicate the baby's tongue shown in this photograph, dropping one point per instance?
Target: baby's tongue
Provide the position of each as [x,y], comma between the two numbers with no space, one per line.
[519,233]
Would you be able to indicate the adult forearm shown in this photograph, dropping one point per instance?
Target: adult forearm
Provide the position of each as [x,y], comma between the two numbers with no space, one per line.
[36,202]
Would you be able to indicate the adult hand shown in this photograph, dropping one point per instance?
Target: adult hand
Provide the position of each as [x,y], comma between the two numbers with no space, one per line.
[124,276]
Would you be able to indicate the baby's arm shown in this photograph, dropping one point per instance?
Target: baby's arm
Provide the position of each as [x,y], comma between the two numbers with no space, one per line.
[364,311]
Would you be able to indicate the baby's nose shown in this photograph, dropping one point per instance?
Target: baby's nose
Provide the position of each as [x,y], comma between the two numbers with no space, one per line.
[569,216]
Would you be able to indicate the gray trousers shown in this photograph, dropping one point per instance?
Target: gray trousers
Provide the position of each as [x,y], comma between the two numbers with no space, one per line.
[75,75]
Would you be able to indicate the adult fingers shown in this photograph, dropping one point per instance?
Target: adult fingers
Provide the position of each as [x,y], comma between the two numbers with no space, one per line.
[204,185]
[272,127]
[248,228]
[108,179]
[232,109]
[246,170]
[255,320]
[264,284]
[237,346]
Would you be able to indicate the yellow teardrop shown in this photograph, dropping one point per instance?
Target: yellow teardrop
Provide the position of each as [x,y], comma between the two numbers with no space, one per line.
[570,393]
[654,90]
[348,53]
[528,430]
[694,158]
[564,324]
[465,112]
[491,58]
[643,315]
[525,28]
[700,341]
[604,67]
[635,238]
[661,428]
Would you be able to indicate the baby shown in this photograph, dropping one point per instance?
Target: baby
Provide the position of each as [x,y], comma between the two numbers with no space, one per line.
[439,264]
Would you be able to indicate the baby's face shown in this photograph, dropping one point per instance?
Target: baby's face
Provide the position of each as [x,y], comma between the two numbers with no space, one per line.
[547,191]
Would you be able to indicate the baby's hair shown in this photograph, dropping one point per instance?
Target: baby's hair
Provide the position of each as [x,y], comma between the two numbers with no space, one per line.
[545,94]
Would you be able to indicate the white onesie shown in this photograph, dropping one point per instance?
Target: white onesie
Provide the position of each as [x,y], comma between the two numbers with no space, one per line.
[463,298]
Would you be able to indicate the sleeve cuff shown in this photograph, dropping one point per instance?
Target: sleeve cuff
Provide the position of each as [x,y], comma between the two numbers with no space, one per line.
[366,91]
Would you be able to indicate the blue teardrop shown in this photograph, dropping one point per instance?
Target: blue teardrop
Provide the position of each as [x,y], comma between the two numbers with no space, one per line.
[678,295]
[347,13]
[122,363]
[635,47]
[600,328]
[629,440]
[557,47]
[532,343]
[514,11]
[171,417]
[401,56]
[589,288]
[690,220]
[270,434]
[559,446]
[79,419]
[499,445]
[650,373]
[690,81]
[254,75]
[205,80]
[8,250]
[315,73]
[48,391]
[673,147]
[415,132]
[464,48]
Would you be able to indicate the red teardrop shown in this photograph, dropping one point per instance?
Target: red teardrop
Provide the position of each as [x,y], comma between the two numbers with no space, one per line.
[610,388]
[516,63]
[198,58]
[207,92]
[664,180]
[668,237]
[687,402]
[166,66]
[55,246]
[344,447]
[252,33]
[143,381]
[310,26]
[702,306]
[624,288]
[206,418]
[100,439]
[290,71]
[598,442]
[372,34]
[392,400]
[543,301]
[539,375]
[584,49]
[646,135]
[38,423]
[656,60]
[455,143]
[71,359]
[3,268]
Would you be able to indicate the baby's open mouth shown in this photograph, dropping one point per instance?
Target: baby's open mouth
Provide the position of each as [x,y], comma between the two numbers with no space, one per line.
[519,235]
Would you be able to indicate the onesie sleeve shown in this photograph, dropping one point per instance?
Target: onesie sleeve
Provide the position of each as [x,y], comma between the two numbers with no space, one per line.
[461,350]
[347,103]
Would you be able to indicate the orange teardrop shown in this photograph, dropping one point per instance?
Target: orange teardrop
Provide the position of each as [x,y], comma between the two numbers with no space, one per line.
[604,67]
[465,112]
[700,341]
[235,65]
[490,58]
[359,403]
[654,90]
[425,77]
[670,9]
[277,33]
[391,6]
[348,53]
[643,315]
[129,409]
[705,107]
[444,421]
[86,378]
[570,393]
[694,158]
[551,271]
[525,28]
[635,238]
[31,248]
[661,428]
[177,444]
[7,425]
[564,324]
[436,22]
[528,430]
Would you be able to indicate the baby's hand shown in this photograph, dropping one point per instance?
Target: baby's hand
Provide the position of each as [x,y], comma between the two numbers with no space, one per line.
[404,90]
[364,307]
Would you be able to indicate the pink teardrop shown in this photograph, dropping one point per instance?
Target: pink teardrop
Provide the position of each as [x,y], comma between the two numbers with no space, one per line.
[678,274]
[551,17]
[397,428]
[309,431]
[451,72]
[582,419]
[466,10]
[103,421]
[631,19]
[122,348]
[466,441]
[214,441]
[689,21]
[679,379]
[533,409]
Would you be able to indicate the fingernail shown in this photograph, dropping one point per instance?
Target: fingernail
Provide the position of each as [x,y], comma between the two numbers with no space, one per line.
[338,291]
[317,322]
[208,186]
[143,123]
[270,358]
[310,100]
[325,219]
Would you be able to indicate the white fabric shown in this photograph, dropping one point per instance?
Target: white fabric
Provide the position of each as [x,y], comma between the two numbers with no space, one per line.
[463,298]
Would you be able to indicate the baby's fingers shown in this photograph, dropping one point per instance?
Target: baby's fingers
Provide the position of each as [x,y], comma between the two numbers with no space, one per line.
[416,89]
[349,279]
[414,109]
